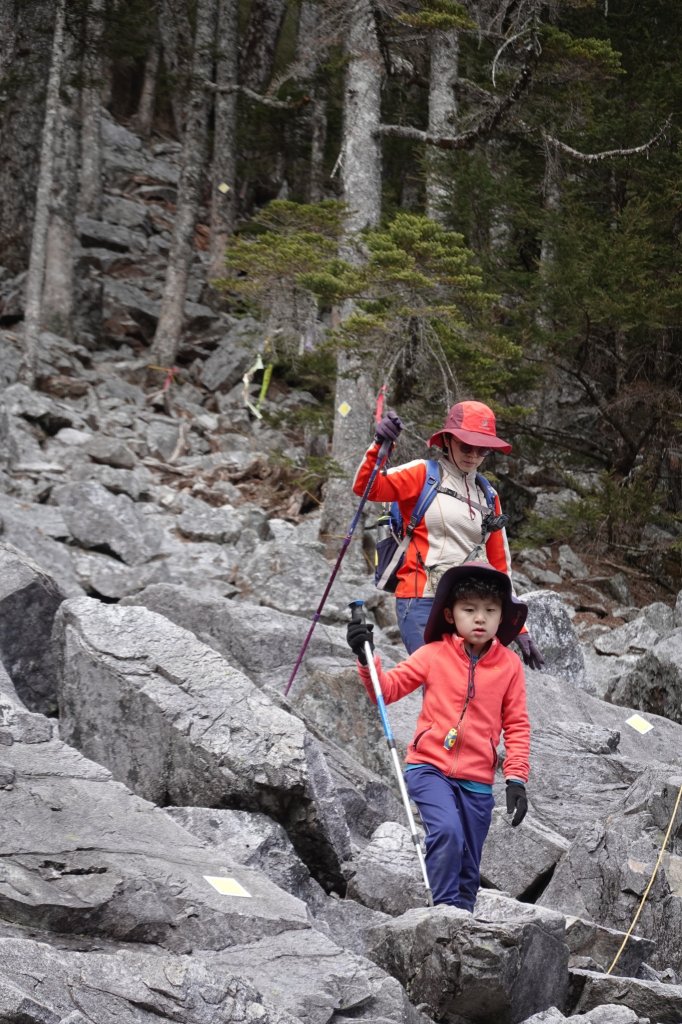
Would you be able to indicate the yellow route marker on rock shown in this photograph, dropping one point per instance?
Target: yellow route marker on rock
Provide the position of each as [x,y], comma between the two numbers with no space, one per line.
[227,886]
[639,724]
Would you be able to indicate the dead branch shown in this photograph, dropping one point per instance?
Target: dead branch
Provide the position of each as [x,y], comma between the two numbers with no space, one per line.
[257,97]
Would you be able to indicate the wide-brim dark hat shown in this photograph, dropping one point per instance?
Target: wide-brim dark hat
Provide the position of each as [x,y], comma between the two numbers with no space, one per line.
[514,612]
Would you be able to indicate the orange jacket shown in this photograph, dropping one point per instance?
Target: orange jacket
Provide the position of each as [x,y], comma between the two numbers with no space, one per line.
[498,705]
[450,528]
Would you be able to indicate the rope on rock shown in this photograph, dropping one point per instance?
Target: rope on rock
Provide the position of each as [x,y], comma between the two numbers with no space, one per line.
[651,882]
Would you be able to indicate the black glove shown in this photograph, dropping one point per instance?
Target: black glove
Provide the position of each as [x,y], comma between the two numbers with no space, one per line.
[529,652]
[517,802]
[358,634]
[388,428]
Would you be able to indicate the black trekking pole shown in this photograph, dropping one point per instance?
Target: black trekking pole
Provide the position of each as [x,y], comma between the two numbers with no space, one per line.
[382,457]
[358,615]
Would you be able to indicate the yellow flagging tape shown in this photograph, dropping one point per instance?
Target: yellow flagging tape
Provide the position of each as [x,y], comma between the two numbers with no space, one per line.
[651,882]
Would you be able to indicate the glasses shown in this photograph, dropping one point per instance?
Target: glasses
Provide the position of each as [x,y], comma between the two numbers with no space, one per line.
[470,449]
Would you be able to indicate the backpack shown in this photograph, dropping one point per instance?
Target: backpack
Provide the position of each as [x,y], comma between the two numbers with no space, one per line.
[394,537]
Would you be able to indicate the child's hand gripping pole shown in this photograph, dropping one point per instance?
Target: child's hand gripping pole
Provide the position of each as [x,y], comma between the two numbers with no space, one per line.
[358,615]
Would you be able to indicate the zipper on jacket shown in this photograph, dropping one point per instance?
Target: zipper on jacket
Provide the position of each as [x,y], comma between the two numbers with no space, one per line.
[471,693]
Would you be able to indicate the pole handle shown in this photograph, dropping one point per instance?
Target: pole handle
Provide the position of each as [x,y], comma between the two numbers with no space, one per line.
[357,611]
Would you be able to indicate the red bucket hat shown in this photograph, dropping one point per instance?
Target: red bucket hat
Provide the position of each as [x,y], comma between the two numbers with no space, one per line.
[473,423]
[514,612]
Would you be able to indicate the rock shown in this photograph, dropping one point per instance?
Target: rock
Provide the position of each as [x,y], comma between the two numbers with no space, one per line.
[603,877]
[386,875]
[519,864]
[571,564]
[111,451]
[123,987]
[29,599]
[234,355]
[98,519]
[109,236]
[254,840]
[654,683]
[129,674]
[467,968]
[552,631]
[639,635]
[310,977]
[649,999]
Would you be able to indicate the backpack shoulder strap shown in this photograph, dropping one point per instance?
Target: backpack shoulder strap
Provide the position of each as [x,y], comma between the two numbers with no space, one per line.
[428,493]
[487,489]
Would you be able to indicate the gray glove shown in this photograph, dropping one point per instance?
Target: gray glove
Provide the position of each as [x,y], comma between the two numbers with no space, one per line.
[529,652]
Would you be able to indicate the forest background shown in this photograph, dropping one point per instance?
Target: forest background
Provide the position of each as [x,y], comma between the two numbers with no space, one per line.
[437,199]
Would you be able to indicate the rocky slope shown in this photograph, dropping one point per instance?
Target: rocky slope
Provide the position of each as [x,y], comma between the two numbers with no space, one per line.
[181,842]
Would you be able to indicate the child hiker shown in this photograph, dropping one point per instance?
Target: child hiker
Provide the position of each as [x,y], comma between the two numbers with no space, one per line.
[474,689]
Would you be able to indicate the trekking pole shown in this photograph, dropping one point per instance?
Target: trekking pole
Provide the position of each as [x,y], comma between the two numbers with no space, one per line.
[382,457]
[358,615]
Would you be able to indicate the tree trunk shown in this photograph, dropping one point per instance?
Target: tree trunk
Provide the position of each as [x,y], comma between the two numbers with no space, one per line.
[144,118]
[25,42]
[36,269]
[169,328]
[442,118]
[257,56]
[90,198]
[176,32]
[312,120]
[361,169]
[224,166]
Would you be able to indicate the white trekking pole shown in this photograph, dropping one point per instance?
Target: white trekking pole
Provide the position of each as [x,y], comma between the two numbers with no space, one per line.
[358,615]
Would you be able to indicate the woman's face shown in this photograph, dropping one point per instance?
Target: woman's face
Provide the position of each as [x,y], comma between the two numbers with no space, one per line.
[466,457]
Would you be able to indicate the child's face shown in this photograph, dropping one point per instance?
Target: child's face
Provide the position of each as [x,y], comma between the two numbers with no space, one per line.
[476,619]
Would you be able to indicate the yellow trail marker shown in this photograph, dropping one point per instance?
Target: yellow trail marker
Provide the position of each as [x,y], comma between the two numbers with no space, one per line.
[639,724]
[227,886]
[344,409]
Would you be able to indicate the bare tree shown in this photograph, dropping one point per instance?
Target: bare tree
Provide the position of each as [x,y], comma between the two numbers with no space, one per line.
[310,51]
[176,43]
[224,164]
[169,328]
[144,116]
[444,70]
[262,34]
[36,268]
[361,170]
[25,54]
[90,197]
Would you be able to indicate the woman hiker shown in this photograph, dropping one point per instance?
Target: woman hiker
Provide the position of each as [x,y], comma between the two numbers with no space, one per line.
[453,524]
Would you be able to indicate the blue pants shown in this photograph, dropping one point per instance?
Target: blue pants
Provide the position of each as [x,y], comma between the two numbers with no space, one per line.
[456,822]
[413,614]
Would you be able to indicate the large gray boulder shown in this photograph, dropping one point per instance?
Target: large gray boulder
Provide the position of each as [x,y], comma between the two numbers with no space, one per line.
[654,683]
[472,969]
[42,984]
[651,1000]
[385,875]
[29,599]
[553,632]
[98,519]
[609,867]
[309,976]
[128,674]
[80,854]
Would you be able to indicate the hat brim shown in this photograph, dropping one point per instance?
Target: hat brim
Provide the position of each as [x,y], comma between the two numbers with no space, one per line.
[514,612]
[470,437]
